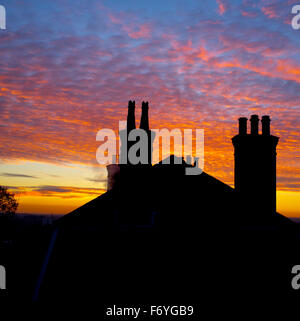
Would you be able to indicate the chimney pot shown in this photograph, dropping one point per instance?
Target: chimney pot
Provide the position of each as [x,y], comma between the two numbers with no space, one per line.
[254,124]
[131,115]
[243,126]
[144,124]
[265,120]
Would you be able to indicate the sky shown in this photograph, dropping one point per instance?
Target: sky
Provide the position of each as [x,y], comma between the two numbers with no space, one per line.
[68,69]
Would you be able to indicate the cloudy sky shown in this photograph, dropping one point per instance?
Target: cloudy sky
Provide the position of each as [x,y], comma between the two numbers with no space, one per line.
[68,68]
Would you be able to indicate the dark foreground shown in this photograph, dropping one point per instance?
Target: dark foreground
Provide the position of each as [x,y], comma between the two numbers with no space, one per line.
[102,269]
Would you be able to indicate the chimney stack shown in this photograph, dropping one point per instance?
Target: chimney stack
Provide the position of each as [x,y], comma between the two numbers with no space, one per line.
[255,166]
[242,126]
[254,124]
[266,125]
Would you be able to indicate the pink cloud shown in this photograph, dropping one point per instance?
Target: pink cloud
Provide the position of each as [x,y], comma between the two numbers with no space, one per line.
[142,31]
[270,12]
[130,25]
[222,6]
[249,14]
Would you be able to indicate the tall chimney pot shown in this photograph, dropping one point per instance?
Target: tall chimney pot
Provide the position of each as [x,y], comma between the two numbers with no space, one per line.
[144,124]
[131,116]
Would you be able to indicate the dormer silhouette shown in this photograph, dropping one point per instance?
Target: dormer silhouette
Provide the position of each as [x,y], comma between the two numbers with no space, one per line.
[255,165]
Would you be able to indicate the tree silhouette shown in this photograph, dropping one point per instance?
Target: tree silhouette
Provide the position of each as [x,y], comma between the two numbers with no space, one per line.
[8,202]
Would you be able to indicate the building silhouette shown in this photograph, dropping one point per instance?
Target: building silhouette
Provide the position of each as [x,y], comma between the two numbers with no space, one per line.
[158,233]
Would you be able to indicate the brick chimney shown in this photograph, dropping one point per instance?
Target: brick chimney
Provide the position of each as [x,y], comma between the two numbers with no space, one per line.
[255,164]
